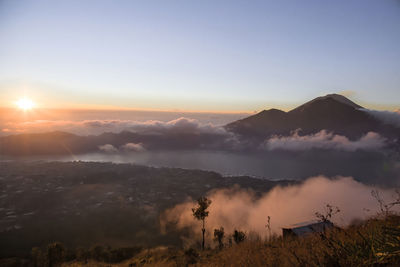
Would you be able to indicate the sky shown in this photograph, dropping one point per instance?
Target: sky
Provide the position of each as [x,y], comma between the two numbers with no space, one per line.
[220,56]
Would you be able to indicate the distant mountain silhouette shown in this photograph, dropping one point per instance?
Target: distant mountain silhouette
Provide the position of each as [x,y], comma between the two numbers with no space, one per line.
[334,113]
[337,97]
[62,143]
[52,143]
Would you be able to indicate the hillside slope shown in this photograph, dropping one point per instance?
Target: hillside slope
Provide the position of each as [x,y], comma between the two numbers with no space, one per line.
[334,113]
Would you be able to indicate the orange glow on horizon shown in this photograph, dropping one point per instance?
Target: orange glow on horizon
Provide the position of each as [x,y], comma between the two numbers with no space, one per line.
[122,109]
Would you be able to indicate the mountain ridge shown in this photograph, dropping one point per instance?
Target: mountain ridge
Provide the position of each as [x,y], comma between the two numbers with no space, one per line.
[333,112]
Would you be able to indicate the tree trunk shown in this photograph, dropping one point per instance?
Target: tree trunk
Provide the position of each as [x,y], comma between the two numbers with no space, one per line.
[203,230]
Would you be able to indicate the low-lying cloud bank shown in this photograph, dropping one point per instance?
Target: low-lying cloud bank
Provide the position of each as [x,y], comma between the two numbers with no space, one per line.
[236,208]
[95,127]
[181,133]
[324,140]
[132,147]
[387,117]
[129,147]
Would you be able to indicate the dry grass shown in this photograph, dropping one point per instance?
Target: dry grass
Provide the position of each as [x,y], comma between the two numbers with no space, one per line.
[375,242]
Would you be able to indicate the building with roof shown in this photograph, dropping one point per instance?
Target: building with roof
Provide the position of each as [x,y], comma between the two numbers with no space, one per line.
[302,229]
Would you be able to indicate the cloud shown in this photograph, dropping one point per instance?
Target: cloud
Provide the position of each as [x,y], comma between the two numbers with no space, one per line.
[186,133]
[180,125]
[108,148]
[129,147]
[133,147]
[95,127]
[387,117]
[323,140]
[127,135]
[180,133]
[236,208]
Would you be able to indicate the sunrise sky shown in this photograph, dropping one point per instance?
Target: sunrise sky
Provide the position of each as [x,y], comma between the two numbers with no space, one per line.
[198,55]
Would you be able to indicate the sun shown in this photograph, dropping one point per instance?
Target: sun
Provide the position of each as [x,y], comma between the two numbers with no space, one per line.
[25,104]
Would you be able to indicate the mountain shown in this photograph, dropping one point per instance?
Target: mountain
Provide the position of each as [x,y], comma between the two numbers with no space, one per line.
[334,113]
[54,143]
[62,143]
[336,97]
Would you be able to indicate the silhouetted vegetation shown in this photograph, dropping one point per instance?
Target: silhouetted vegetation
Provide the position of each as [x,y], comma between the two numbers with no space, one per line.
[238,236]
[375,242]
[219,235]
[329,212]
[200,213]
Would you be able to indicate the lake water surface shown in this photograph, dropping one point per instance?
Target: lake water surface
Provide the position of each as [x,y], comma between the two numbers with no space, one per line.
[271,165]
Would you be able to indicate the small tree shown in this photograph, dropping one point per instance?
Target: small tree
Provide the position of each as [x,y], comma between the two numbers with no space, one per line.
[329,212]
[268,226]
[238,236]
[200,213]
[219,235]
[384,206]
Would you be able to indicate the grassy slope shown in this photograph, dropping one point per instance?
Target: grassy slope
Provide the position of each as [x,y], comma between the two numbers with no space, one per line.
[373,242]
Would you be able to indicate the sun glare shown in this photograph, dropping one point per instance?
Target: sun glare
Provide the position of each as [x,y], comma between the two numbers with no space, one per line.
[25,104]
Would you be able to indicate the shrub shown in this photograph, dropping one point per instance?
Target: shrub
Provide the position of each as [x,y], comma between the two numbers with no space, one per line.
[238,236]
[219,235]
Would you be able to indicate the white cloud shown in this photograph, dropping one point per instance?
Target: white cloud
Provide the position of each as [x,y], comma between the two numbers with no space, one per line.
[95,127]
[108,148]
[388,117]
[133,147]
[324,140]
[236,208]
